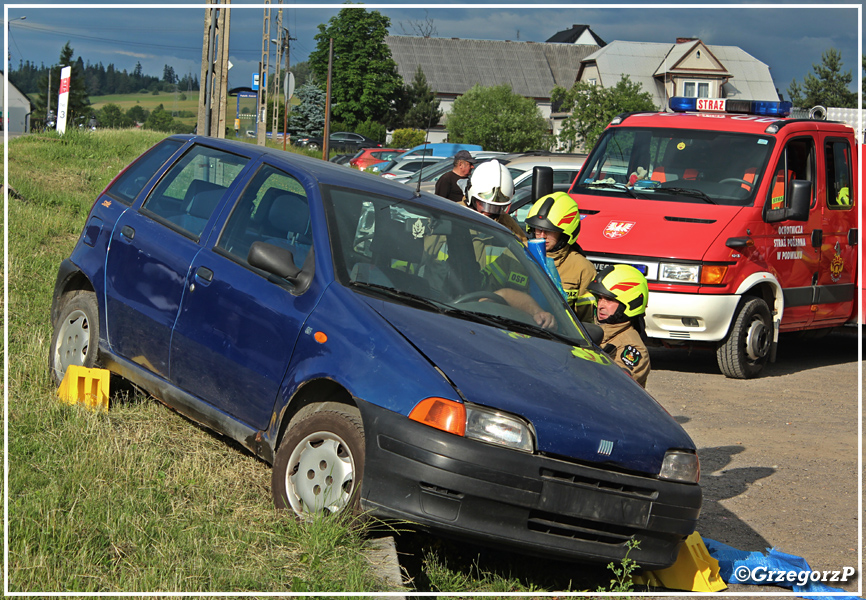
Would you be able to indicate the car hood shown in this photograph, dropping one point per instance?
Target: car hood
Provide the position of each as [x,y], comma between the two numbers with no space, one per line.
[634,227]
[581,405]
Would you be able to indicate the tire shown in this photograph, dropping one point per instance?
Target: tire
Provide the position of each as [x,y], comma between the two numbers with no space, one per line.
[76,335]
[319,466]
[746,348]
[313,146]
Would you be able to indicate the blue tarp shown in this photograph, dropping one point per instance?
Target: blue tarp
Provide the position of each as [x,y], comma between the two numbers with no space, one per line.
[740,566]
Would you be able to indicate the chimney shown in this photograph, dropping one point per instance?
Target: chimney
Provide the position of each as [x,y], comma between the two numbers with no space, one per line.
[683,40]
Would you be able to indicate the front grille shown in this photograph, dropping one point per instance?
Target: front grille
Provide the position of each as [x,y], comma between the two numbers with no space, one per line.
[680,335]
[579,529]
[633,491]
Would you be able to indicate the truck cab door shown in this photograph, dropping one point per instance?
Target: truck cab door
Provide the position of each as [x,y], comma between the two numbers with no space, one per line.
[793,241]
[836,287]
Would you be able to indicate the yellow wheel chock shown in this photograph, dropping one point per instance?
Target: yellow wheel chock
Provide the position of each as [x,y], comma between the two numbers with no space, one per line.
[694,571]
[85,386]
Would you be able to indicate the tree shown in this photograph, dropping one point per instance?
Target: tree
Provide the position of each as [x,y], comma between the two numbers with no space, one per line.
[168,75]
[159,120]
[309,117]
[364,79]
[827,87]
[425,28]
[423,107]
[592,107]
[111,116]
[497,119]
[79,103]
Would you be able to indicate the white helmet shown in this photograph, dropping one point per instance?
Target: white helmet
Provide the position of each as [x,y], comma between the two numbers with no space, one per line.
[490,188]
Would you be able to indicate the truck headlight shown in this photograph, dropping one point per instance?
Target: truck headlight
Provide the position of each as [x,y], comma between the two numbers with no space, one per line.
[498,428]
[679,465]
[679,273]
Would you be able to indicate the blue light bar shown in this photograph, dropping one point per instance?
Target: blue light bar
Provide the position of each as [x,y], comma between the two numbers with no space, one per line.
[762,108]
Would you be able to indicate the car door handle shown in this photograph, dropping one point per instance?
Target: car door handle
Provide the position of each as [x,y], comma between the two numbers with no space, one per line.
[204,274]
[817,238]
[127,232]
[852,237]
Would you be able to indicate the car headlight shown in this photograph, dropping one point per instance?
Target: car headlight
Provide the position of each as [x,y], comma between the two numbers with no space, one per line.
[679,465]
[679,273]
[495,427]
[475,422]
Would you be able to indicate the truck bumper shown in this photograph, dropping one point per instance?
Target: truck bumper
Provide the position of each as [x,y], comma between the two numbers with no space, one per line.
[696,317]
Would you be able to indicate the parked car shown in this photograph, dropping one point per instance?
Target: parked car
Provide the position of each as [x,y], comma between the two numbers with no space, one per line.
[341,327]
[370,156]
[405,167]
[341,141]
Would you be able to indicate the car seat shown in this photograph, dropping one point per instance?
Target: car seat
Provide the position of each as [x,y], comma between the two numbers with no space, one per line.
[288,223]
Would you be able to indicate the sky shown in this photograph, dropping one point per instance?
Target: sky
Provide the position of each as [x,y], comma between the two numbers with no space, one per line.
[789,38]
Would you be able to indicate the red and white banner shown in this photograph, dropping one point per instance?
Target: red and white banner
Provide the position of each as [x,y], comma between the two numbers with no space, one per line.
[63,99]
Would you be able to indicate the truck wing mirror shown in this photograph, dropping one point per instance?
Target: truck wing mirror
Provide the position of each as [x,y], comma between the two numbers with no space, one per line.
[800,193]
[542,182]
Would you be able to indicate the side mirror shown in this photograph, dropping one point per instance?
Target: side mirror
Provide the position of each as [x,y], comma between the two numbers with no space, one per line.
[800,193]
[542,182]
[281,263]
[595,332]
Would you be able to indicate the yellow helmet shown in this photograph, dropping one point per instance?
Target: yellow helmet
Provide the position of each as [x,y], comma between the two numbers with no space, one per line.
[556,212]
[626,285]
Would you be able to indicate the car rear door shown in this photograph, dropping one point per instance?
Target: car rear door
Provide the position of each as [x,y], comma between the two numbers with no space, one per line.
[237,325]
[151,249]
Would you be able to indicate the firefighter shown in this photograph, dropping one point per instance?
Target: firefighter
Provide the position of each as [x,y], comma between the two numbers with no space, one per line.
[556,218]
[622,293]
[490,190]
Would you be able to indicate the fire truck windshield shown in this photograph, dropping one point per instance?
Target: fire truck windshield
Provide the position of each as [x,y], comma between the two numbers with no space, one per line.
[714,167]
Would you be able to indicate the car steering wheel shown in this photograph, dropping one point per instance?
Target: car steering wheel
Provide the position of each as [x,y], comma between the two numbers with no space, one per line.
[473,296]
[736,180]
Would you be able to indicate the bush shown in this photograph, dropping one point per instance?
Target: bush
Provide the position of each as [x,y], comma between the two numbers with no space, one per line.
[407,138]
[373,130]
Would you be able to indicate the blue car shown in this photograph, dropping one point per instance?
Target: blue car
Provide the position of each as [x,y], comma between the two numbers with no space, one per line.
[387,351]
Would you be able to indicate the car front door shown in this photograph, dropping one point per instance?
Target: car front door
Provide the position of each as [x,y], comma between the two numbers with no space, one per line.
[151,249]
[238,325]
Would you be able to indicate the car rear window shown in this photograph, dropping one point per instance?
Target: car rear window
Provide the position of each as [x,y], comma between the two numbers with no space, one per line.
[130,183]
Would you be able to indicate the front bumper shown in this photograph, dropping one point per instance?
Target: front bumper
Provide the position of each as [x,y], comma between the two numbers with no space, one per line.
[529,503]
[701,317]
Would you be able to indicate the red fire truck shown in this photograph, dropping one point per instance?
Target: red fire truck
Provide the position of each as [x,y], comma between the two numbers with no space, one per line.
[744,222]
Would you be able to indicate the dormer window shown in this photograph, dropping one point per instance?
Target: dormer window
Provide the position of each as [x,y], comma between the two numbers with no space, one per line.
[696,89]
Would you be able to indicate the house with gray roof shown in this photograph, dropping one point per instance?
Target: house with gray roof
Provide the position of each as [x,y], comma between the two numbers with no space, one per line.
[15,109]
[685,68]
[452,66]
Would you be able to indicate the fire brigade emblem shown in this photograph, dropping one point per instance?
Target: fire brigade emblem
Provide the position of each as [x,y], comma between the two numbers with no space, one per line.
[617,229]
[836,264]
[630,356]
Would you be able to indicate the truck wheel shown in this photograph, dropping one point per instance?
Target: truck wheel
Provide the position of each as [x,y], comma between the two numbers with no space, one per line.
[76,335]
[319,465]
[745,350]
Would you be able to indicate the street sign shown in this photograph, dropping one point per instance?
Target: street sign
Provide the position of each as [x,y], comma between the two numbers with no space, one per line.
[255,85]
[289,86]
[63,98]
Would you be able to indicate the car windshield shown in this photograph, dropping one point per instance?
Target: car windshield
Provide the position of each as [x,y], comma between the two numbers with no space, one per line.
[437,261]
[432,171]
[713,167]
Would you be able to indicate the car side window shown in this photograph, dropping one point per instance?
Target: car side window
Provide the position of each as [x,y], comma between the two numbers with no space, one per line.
[796,162]
[129,183]
[272,209]
[837,155]
[190,191]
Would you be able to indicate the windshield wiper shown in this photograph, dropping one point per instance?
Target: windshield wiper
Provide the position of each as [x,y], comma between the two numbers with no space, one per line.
[515,325]
[612,185]
[401,295]
[687,192]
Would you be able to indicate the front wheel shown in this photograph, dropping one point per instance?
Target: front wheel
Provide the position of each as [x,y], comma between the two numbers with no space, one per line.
[76,335]
[746,348]
[320,464]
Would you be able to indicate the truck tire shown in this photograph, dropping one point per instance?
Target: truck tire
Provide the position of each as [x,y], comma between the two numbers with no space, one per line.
[742,354]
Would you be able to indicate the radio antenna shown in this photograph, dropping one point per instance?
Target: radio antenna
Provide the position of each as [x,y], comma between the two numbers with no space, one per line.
[423,154]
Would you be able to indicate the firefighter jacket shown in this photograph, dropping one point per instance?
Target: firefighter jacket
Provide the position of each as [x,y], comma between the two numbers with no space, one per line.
[625,346]
[576,273]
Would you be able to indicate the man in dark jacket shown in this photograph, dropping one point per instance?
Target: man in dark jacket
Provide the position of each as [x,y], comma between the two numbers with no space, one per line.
[447,186]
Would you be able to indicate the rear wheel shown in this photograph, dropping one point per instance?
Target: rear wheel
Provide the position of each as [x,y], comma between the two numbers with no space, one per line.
[744,351]
[76,334]
[313,146]
[320,464]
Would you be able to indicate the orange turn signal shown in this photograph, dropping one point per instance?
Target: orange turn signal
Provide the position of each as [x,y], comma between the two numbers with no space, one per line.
[440,413]
[713,274]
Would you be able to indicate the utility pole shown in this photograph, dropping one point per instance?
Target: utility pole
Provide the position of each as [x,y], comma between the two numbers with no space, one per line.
[277,52]
[214,71]
[262,110]
[326,134]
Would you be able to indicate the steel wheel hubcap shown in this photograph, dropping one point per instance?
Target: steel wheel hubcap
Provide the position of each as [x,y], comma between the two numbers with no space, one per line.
[320,475]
